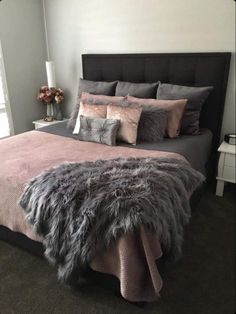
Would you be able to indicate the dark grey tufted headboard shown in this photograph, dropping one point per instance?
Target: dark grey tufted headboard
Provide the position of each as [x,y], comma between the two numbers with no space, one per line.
[193,69]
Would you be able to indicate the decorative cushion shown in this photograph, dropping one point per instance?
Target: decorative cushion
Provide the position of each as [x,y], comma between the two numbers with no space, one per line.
[141,90]
[152,124]
[98,130]
[175,109]
[196,97]
[91,99]
[94,87]
[92,111]
[129,118]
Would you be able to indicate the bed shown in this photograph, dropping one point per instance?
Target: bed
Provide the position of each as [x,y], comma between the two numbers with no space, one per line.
[190,69]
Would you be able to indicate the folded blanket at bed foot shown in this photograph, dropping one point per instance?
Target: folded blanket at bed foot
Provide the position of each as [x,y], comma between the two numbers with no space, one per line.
[79,209]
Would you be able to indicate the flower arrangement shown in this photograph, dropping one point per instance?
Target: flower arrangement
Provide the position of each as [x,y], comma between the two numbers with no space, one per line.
[52,97]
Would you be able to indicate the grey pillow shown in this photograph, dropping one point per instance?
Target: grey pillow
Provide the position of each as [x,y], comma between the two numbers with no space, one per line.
[152,124]
[93,87]
[141,90]
[98,130]
[196,97]
[97,88]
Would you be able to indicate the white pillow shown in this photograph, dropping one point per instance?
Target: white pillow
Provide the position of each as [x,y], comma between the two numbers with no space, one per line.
[77,125]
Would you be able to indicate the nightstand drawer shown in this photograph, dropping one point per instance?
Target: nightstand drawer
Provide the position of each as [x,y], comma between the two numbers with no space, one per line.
[229,173]
[230,160]
[226,167]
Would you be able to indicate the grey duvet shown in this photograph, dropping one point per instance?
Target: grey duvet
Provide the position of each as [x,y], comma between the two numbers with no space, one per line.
[195,148]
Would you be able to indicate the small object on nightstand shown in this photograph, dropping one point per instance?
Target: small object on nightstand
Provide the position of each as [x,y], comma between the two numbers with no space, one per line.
[226,167]
[41,123]
[52,97]
[230,138]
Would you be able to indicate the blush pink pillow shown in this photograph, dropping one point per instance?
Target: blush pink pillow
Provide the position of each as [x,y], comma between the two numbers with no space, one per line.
[92,111]
[129,118]
[175,109]
[91,99]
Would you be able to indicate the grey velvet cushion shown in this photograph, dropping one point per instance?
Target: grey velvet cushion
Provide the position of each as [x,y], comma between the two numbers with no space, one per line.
[196,97]
[98,130]
[93,87]
[141,90]
[152,124]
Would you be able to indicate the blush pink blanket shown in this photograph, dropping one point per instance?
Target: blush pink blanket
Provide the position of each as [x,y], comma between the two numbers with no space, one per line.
[132,257]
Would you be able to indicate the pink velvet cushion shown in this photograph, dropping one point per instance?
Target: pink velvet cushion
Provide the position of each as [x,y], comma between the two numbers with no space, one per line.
[129,118]
[175,109]
[101,99]
[92,111]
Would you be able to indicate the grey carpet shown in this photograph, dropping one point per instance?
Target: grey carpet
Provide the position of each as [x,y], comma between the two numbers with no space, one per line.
[202,282]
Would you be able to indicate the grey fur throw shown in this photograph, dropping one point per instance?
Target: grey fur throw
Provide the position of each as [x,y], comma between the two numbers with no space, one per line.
[80,208]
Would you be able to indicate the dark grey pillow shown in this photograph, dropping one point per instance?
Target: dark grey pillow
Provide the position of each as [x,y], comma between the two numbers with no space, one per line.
[98,130]
[196,97]
[140,90]
[152,124]
[97,88]
[92,87]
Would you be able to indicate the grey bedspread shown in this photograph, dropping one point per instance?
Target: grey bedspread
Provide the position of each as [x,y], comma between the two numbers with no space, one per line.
[195,148]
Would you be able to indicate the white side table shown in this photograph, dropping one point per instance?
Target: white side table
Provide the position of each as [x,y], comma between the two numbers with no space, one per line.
[41,123]
[226,167]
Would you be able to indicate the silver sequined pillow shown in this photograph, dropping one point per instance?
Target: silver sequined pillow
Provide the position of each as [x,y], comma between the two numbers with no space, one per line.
[98,130]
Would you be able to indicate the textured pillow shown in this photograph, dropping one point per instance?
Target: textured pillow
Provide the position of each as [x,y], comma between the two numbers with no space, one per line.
[93,87]
[98,130]
[91,99]
[152,124]
[92,111]
[129,119]
[175,109]
[141,90]
[196,97]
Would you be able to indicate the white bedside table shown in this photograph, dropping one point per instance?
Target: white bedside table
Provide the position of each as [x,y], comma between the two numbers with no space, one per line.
[226,167]
[41,123]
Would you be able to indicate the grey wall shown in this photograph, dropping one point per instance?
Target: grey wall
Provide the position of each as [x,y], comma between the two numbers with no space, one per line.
[111,26]
[23,43]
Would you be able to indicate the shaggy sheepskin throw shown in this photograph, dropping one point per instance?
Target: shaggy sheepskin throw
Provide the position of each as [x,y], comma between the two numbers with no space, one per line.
[81,208]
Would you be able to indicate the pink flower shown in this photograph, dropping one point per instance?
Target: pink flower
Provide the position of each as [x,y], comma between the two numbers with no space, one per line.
[44,89]
[40,96]
[50,95]
[58,98]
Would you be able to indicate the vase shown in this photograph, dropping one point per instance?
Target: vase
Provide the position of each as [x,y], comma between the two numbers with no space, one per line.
[50,113]
[58,113]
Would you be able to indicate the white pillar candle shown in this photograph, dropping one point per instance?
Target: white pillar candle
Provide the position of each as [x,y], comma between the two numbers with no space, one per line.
[50,67]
